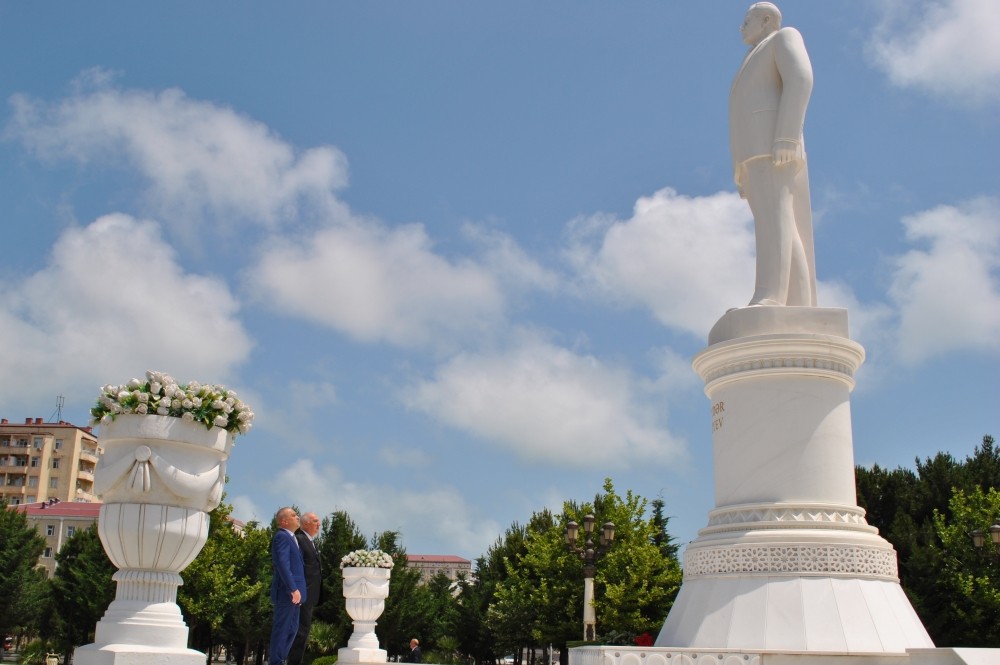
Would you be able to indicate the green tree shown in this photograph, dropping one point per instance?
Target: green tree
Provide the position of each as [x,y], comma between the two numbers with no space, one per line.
[540,601]
[967,595]
[212,588]
[20,547]
[247,625]
[905,505]
[82,589]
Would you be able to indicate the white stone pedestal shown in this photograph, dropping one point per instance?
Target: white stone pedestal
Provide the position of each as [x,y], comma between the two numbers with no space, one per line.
[787,563]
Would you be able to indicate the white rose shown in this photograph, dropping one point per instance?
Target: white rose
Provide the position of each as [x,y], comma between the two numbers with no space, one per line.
[134,383]
[188,416]
[141,409]
[123,395]
[196,401]
[187,404]
[162,411]
[154,387]
[221,421]
[143,397]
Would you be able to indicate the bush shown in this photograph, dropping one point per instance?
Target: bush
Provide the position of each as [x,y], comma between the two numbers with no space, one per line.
[325,660]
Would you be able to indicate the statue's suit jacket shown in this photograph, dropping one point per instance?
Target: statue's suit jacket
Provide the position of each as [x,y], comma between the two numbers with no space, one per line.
[769,96]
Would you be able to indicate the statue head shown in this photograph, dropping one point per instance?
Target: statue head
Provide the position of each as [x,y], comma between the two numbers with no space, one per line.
[761,20]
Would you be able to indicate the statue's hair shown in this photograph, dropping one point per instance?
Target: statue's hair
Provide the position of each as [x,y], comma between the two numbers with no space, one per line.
[770,9]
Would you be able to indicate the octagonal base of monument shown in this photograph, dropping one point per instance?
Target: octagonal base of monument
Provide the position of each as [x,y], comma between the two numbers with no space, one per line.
[794,614]
[135,654]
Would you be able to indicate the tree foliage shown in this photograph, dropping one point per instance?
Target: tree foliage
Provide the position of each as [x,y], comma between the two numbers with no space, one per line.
[927,516]
[82,589]
[20,547]
[539,600]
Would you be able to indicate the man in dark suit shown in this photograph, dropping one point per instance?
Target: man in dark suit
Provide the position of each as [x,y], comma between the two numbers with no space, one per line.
[288,585]
[308,528]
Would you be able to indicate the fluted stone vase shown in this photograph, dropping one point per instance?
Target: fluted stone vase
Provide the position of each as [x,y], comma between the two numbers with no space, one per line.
[365,591]
[158,477]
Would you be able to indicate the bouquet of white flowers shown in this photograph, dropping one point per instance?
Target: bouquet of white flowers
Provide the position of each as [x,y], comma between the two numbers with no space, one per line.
[366,559]
[160,395]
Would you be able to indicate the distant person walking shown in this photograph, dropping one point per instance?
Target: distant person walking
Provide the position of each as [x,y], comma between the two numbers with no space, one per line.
[415,653]
[288,585]
[308,529]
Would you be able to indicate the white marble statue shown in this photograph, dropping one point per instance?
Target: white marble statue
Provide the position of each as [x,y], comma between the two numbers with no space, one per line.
[767,107]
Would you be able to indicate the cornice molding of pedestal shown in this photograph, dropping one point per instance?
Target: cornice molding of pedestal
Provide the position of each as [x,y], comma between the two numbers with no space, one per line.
[789,354]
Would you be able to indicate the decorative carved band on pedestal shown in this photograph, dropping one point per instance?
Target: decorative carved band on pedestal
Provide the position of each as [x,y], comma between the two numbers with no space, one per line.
[794,560]
[787,516]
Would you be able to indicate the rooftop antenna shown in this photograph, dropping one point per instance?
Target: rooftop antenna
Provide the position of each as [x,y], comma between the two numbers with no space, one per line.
[60,400]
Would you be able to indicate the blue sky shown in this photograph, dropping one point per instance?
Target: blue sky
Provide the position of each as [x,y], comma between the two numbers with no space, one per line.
[458,256]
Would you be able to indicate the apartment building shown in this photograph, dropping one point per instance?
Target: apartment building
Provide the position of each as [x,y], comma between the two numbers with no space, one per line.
[41,461]
[57,521]
[430,565]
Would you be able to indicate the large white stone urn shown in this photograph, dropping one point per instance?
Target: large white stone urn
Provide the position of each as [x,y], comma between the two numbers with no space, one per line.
[365,591]
[158,477]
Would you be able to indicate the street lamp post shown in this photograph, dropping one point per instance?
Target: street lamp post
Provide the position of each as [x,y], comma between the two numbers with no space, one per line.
[589,555]
[979,538]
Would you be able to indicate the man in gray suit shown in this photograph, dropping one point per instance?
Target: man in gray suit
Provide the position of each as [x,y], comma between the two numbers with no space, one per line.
[767,108]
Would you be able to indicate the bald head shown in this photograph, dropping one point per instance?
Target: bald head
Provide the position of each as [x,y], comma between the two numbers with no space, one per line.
[310,524]
[287,518]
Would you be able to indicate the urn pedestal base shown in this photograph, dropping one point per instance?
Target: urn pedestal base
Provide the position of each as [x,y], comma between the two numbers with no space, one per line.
[359,655]
[135,654]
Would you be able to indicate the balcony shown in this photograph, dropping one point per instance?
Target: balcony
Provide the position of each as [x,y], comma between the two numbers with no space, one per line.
[85,474]
[88,455]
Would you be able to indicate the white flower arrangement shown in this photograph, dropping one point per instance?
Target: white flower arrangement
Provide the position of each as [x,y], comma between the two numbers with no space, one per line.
[366,559]
[160,395]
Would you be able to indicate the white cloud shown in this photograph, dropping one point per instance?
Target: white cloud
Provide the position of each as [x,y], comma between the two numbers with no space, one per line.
[947,47]
[948,294]
[111,303]
[548,404]
[198,158]
[688,259]
[379,285]
[440,514]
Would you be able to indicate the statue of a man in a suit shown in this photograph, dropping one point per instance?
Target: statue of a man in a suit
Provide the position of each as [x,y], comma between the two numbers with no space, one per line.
[767,108]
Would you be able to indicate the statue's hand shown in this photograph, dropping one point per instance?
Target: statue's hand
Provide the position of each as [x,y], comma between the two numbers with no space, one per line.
[786,151]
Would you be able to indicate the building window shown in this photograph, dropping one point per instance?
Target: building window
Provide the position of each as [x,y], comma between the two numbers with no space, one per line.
[50,529]
[36,462]
[58,444]
[55,463]
[15,500]
[47,554]
[21,443]
[53,483]
[70,531]
[30,499]
[3,460]
[32,482]
[39,442]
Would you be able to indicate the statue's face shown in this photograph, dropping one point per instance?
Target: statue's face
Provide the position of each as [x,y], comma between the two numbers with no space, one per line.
[755,27]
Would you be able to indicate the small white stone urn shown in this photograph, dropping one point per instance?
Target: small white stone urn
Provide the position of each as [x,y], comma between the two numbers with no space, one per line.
[158,477]
[365,589]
